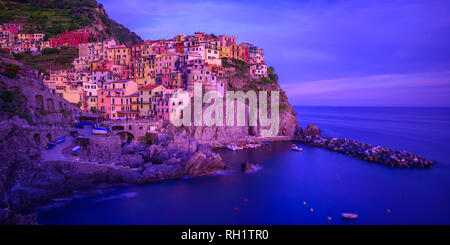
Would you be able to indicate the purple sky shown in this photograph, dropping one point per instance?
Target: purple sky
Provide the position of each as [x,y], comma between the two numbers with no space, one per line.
[340,53]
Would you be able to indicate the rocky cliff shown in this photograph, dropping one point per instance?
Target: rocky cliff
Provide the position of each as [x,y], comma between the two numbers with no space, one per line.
[236,78]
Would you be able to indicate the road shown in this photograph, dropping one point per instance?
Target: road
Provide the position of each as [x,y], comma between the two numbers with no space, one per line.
[56,154]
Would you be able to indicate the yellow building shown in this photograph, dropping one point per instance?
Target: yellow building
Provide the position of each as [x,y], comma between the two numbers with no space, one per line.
[212,54]
[71,92]
[135,102]
[144,71]
[120,55]
[225,52]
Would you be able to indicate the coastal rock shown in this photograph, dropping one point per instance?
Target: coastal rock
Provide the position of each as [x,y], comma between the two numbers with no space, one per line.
[249,167]
[312,129]
[134,147]
[8,217]
[132,160]
[368,152]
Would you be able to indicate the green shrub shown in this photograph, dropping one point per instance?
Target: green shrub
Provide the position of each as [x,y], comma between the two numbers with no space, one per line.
[264,80]
[18,56]
[92,39]
[272,75]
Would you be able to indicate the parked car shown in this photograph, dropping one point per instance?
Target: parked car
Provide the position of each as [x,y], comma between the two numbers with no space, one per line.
[74,133]
[50,146]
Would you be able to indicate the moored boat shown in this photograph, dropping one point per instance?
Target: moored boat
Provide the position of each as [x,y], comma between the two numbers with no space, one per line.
[349,216]
[296,148]
[50,146]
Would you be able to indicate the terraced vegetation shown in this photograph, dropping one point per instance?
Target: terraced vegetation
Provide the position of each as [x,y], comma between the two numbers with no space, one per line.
[53,17]
[50,59]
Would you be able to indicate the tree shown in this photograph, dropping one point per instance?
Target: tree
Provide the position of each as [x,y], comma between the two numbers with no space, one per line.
[272,75]
[92,39]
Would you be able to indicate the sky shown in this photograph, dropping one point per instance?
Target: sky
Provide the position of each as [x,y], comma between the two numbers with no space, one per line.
[326,53]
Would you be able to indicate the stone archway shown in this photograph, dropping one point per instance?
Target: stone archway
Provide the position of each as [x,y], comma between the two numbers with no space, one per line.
[50,104]
[37,139]
[39,102]
[49,137]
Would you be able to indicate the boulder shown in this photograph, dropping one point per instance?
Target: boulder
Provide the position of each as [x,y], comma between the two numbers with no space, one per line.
[312,130]
[134,147]
[248,168]
[132,160]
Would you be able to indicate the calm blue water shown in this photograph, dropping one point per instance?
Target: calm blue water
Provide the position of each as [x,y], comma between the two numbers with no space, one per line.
[330,183]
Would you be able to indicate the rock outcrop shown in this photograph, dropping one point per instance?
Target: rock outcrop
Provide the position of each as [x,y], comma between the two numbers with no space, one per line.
[370,153]
[249,167]
[239,80]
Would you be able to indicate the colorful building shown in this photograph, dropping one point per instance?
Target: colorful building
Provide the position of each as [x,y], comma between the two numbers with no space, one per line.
[73,38]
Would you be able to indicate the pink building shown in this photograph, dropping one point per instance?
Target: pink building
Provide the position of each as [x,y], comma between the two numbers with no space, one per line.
[169,106]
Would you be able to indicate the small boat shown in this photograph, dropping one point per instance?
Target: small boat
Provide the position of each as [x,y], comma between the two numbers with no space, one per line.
[50,146]
[232,147]
[76,149]
[85,123]
[78,125]
[296,148]
[267,143]
[349,216]
[100,131]
[61,140]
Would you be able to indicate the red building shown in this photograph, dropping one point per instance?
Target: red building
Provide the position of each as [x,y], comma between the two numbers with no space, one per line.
[179,47]
[73,38]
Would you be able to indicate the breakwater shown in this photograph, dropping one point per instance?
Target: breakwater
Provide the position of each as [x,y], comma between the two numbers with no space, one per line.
[370,153]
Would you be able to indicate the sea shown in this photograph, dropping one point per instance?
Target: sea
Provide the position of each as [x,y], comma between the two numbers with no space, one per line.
[312,187]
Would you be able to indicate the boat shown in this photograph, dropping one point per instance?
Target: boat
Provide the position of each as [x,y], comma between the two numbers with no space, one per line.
[349,216]
[87,123]
[76,149]
[50,146]
[61,140]
[232,147]
[267,143]
[78,125]
[100,131]
[296,148]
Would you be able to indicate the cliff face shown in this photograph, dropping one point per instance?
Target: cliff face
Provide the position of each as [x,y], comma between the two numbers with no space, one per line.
[54,17]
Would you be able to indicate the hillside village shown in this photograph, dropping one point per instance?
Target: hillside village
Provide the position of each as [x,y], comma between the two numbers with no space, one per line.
[120,82]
